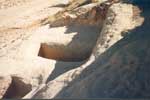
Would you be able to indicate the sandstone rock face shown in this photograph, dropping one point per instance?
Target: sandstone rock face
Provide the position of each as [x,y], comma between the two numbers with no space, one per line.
[114,79]
[79,83]
[5,82]
[74,49]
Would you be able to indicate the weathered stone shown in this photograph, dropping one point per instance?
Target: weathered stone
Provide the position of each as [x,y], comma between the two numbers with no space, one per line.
[64,84]
[116,68]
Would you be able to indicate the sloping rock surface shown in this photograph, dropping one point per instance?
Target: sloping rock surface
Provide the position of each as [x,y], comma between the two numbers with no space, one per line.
[122,71]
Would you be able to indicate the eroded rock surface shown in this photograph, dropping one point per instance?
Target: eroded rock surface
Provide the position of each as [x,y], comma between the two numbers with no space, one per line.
[97,50]
[67,85]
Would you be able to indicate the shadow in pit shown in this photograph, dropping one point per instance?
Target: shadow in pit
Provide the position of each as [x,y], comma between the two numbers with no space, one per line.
[79,49]
[62,67]
[17,89]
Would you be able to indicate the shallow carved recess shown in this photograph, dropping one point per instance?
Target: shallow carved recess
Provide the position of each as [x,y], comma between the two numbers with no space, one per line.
[17,89]
[58,53]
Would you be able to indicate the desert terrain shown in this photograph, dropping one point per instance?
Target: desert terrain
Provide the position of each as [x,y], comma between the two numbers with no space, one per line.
[98,49]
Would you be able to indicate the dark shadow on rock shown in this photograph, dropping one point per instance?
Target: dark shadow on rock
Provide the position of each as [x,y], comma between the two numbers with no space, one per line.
[17,89]
[62,67]
[84,41]
[121,72]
